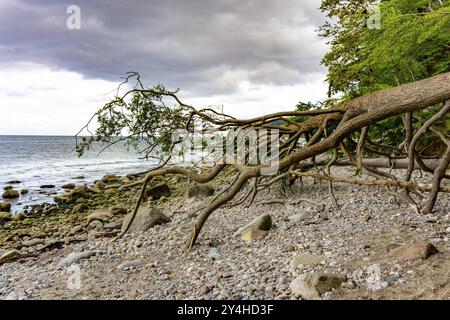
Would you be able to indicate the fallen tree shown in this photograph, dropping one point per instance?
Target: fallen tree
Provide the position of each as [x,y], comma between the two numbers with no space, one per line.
[339,134]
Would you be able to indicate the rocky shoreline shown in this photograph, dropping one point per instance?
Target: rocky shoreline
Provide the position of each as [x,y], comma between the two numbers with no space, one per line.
[374,247]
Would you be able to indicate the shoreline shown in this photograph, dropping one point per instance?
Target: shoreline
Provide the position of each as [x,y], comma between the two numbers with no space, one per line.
[362,236]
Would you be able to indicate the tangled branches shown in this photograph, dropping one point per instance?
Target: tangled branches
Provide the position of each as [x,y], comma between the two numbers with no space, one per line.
[338,134]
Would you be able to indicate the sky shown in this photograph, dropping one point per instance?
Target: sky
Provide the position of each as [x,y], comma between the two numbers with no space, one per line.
[251,56]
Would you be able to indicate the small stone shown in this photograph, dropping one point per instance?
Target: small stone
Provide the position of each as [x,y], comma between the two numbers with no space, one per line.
[350,284]
[200,191]
[156,192]
[48,186]
[300,218]
[111,225]
[213,253]
[9,256]
[5,207]
[33,242]
[130,264]
[145,219]
[307,260]
[14,182]
[253,235]
[75,230]
[96,225]
[312,285]
[23,191]
[79,208]
[289,248]
[69,186]
[10,194]
[263,223]
[75,257]
[100,215]
[415,251]
[110,178]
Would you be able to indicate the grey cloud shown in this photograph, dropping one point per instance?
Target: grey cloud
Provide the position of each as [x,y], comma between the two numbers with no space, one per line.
[203,46]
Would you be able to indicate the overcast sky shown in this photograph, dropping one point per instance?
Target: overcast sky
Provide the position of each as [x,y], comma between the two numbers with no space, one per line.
[252,56]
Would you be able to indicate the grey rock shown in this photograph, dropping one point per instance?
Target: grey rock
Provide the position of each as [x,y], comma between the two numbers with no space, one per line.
[130,264]
[33,242]
[263,223]
[200,191]
[312,285]
[213,253]
[111,225]
[300,218]
[145,219]
[75,257]
[156,192]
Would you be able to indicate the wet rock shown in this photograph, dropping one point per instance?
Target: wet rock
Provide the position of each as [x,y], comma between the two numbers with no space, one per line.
[10,194]
[81,192]
[75,257]
[24,191]
[18,217]
[48,186]
[5,217]
[156,192]
[263,222]
[100,215]
[5,207]
[14,182]
[79,208]
[110,178]
[415,251]
[200,191]
[145,219]
[69,186]
[312,285]
[8,188]
[307,260]
[130,264]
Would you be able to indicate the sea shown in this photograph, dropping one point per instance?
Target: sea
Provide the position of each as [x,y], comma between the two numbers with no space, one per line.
[52,160]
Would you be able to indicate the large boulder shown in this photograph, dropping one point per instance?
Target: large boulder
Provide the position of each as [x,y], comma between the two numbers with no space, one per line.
[5,207]
[156,192]
[311,286]
[263,223]
[200,191]
[145,219]
[10,194]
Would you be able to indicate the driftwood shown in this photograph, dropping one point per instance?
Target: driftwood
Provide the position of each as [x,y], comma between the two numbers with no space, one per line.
[325,132]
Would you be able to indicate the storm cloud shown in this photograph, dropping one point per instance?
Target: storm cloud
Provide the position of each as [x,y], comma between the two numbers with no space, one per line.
[203,46]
